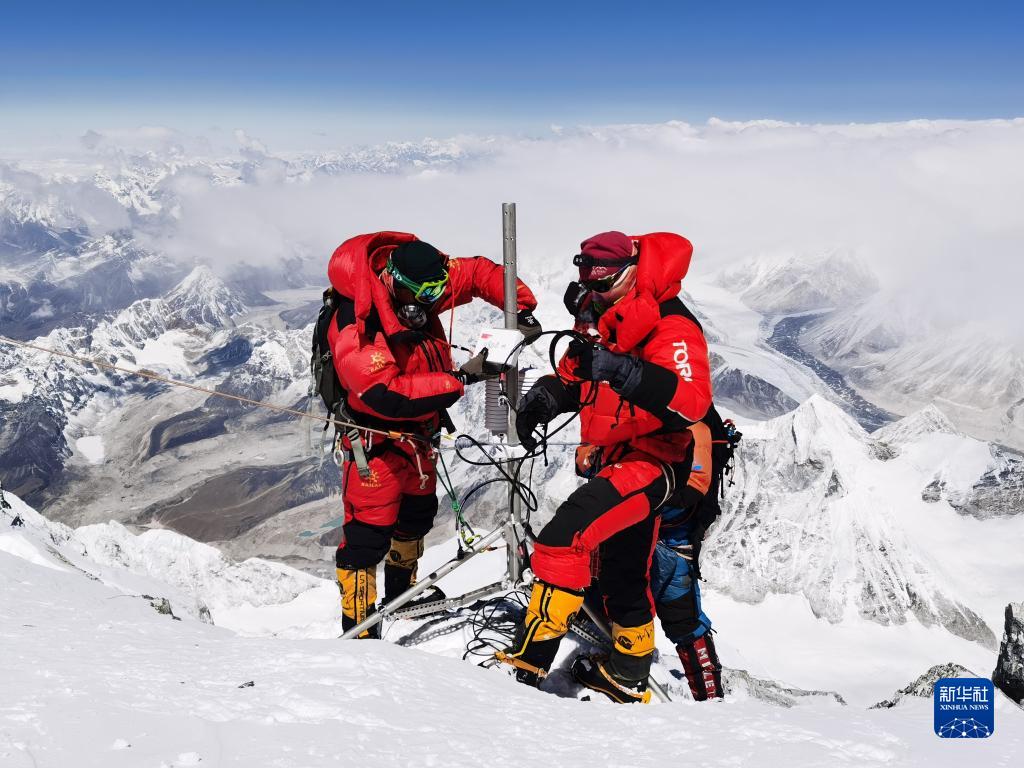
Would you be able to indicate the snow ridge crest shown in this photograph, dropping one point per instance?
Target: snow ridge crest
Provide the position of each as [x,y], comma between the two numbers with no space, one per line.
[929,420]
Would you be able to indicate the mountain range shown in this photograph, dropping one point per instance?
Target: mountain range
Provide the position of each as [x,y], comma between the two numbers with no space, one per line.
[878,484]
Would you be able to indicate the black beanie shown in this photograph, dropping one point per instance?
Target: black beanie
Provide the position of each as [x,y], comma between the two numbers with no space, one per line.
[418,261]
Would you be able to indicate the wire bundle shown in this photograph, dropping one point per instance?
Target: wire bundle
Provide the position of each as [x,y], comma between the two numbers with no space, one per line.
[493,625]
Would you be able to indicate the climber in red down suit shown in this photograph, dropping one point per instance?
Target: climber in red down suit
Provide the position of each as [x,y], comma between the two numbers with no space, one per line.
[395,365]
[642,379]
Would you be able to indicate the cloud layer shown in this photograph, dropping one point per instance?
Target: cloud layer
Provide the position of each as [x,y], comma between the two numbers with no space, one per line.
[933,206]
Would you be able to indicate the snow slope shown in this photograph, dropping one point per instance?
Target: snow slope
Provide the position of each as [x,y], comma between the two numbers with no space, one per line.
[821,509]
[96,677]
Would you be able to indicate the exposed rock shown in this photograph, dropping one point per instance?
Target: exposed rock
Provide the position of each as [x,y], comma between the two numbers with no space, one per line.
[999,492]
[162,606]
[738,681]
[1009,672]
[235,352]
[746,394]
[924,686]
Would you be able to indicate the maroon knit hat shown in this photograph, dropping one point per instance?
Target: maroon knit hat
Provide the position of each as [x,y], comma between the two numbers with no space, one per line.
[604,254]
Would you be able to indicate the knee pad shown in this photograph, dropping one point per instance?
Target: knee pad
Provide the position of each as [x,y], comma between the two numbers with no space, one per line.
[364,546]
[405,553]
[416,516]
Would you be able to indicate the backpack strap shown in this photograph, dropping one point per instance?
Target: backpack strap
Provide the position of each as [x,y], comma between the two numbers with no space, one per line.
[322,365]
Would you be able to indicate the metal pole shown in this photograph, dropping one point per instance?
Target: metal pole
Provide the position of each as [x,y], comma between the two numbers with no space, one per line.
[656,688]
[415,589]
[508,252]
[514,532]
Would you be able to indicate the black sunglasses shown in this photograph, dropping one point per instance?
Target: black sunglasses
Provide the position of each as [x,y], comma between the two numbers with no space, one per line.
[582,260]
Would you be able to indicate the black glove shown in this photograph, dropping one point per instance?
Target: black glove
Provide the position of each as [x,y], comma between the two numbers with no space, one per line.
[595,363]
[582,354]
[528,325]
[538,406]
[477,369]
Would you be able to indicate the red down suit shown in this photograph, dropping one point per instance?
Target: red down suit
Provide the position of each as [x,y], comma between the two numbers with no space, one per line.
[397,379]
[631,442]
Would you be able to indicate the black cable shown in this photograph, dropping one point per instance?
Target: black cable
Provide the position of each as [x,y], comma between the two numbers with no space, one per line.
[518,487]
[494,622]
[493,625]
[479,486]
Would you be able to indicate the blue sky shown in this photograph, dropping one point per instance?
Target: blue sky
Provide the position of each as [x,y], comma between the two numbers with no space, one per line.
[348,72]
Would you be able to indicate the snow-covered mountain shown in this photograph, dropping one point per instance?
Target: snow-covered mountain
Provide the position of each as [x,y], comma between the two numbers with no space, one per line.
[42,395]
[876,354]
[195,579]
[77,283]
[824,510]
[221,471]
[775,284]
[903,363]
[833,535]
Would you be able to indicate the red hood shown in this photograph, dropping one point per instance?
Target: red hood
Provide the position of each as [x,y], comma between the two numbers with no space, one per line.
[664,261]
[353,271]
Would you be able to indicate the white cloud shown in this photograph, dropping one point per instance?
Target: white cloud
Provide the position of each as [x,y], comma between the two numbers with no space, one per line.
[933,206]
[63,202]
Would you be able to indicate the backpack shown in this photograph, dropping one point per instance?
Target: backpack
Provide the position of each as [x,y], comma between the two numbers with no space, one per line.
[724,439]
[325,382]
[689,522]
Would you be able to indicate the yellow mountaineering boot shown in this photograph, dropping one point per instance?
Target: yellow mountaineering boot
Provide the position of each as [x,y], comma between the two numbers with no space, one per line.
[358,597]
[400,566]
[537,638]
[622,676]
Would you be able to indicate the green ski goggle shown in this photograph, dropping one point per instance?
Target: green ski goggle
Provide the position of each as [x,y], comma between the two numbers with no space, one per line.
[426,292]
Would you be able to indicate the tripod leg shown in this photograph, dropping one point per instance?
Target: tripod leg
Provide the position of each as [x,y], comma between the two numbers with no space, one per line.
[420,586]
